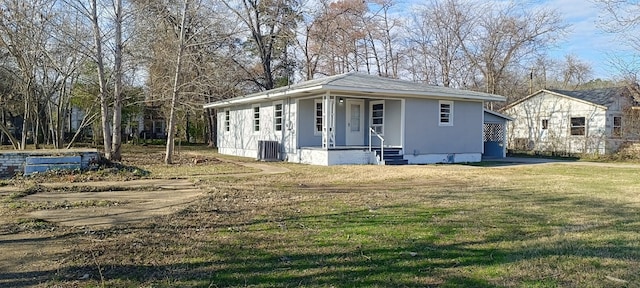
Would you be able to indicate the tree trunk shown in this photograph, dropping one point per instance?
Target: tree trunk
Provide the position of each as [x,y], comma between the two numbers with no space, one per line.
[25,120]
[176,82]
[116,142]
[36,130]
[212,127]
[104,104]
[12,138]
[53,131]
[186,130]
[86,120]
[3,122]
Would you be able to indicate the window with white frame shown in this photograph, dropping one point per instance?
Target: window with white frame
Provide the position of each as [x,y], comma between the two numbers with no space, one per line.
[227,120]
[277,115]
[617,126]
[376,116]
[446,113]
[578,126]
[318,117]
[256,118]
[545,124]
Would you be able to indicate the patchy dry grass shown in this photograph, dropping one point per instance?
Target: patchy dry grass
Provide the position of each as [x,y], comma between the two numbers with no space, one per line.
[191,161]
[353,226]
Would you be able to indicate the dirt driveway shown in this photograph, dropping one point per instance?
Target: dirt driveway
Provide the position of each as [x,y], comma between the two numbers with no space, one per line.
[98,205]
[69,209]
[132,201]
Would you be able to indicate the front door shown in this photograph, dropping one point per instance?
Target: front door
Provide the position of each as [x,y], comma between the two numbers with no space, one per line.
[355,122]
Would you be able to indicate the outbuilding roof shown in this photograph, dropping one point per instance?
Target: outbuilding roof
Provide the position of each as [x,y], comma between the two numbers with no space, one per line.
[354,83]
[604,96]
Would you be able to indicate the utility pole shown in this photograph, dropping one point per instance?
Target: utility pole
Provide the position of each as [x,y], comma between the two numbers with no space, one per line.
[531,82]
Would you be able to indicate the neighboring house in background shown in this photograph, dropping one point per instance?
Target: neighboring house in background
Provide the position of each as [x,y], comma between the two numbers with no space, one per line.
[148,124]
[151,124]
[589,121]
[335,120]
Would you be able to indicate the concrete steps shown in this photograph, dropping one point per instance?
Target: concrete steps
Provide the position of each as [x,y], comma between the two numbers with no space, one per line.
[392,156]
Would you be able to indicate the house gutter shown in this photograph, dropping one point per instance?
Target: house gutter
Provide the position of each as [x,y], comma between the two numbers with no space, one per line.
[354,90]
[262,96]
[418,94]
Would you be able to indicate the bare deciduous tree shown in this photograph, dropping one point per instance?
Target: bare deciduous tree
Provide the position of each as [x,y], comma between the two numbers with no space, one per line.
[116,135]
[504,35]
[574,72]
[338,37]
[436,34]
[95,12]
[270,25]
[176,84]
[97,54]
[25,28]
[622,17]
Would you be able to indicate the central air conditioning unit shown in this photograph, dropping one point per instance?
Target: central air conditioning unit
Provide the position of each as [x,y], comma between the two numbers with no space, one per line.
[268,150]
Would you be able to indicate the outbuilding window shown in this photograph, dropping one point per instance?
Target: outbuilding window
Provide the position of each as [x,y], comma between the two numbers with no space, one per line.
[545,124]
[617,126]
[446,113]
[578,126]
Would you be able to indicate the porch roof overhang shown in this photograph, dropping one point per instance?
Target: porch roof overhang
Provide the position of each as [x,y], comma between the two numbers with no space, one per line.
[498,115]
[359,85]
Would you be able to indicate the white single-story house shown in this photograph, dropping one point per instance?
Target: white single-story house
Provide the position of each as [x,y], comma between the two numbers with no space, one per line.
[588,121]
[357,118]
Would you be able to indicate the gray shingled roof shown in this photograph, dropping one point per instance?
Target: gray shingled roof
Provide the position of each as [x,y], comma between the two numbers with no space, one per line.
[360,83]
[365,81]
[604,96]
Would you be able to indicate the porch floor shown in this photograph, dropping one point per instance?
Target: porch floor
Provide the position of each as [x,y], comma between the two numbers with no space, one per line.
[349,148]
[350,155]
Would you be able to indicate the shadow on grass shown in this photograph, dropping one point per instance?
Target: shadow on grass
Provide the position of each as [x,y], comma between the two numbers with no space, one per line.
[517,161]
[391,246]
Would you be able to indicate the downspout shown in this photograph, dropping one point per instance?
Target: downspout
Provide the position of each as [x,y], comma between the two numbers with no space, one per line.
[504,140]
[289,129]
[333,119]
[482,129]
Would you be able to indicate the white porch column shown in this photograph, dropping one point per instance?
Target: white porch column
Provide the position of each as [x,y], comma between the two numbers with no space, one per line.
[505,141]
[328,121]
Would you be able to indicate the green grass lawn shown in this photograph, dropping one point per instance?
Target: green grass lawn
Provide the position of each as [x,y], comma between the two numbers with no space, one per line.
[555,225]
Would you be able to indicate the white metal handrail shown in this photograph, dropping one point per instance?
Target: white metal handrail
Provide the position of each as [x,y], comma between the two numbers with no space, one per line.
[371,133]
